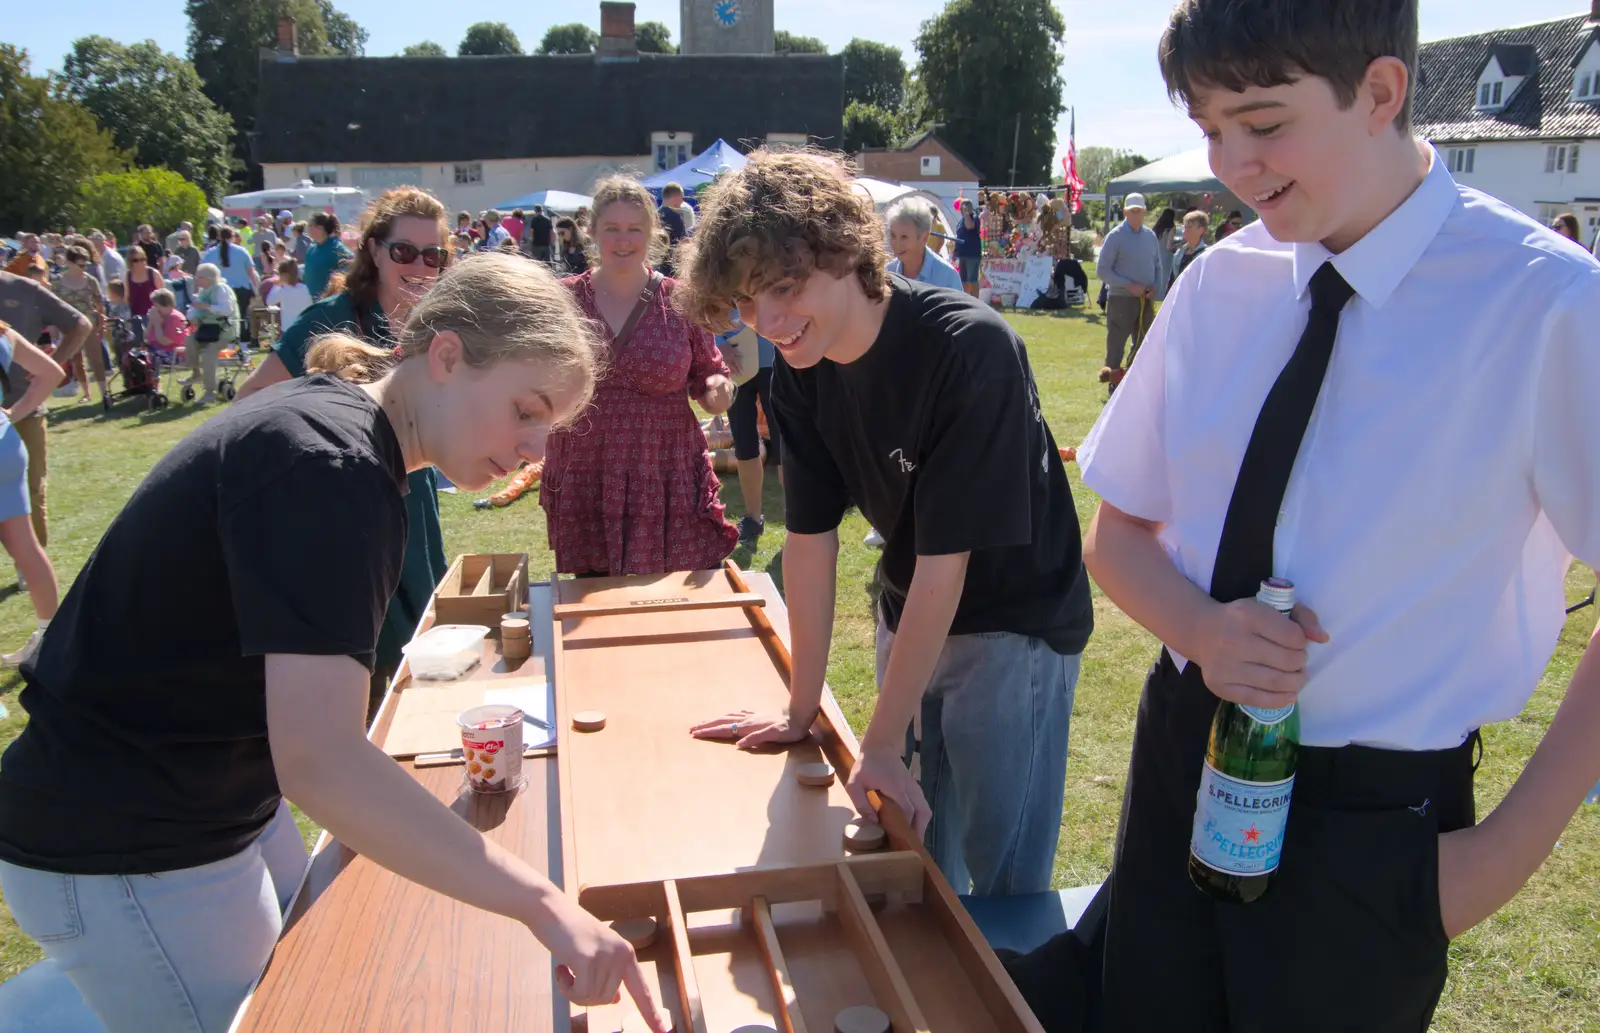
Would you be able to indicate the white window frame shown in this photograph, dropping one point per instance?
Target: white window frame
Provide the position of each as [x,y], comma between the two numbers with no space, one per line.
[671,148]
[1462,159]
[1495,95]
[469,173]
[1581,90]
[929,165]
[323,175]
[1483,95]
[1572,158]
[1550,159]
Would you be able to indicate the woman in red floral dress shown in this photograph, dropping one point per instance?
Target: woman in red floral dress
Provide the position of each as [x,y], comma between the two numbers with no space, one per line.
[629,488]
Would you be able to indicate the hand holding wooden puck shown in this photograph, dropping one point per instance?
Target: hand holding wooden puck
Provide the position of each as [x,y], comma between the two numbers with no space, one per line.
[861,1019]
[589,720]
[818,774]
[861,836]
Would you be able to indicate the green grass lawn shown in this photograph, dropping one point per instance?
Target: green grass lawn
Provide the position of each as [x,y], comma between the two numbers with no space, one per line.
[1534,966]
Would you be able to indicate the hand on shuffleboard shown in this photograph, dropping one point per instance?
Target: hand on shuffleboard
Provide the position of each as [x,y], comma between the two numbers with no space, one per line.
[886,774]
[594,964]
[749,729]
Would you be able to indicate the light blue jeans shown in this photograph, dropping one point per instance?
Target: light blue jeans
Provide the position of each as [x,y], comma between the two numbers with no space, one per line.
[171,952]
[989,749]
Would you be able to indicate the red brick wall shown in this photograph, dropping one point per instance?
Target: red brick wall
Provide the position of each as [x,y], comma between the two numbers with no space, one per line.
[907,165]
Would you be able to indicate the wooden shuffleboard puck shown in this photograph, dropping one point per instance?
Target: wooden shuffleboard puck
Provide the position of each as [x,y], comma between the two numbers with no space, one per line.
[818,774]
[861,1019]
[589,720]
[639,932]
[862,836]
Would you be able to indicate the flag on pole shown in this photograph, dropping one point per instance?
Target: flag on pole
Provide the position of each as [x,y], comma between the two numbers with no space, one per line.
[1074,184]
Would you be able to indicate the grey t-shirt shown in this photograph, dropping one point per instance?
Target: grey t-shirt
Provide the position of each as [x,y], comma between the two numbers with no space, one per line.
[29,307]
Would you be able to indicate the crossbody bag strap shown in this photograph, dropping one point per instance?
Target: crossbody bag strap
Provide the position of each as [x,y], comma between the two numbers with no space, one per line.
[645,301]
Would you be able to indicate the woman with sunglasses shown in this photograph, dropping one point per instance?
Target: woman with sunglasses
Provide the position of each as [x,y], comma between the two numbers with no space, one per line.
[403,249]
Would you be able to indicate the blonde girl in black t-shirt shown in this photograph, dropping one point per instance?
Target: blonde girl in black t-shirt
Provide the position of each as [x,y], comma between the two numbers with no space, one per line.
[145,841]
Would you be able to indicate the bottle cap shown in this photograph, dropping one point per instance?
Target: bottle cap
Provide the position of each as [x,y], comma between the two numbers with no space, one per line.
[1277,593]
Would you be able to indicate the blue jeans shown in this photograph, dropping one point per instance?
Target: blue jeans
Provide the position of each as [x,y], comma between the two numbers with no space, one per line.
[989,749]
[173,951]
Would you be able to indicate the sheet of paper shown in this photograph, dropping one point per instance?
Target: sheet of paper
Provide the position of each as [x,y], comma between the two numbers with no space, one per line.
[536,699]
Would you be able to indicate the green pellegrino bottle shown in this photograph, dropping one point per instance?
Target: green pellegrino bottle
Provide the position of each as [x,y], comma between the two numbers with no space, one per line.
[1243,804]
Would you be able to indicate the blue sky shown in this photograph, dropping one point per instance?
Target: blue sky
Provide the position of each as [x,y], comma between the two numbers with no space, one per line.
[1109,67]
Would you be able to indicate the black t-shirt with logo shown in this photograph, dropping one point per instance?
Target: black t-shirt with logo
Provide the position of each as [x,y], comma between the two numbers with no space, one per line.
[278,526]
[937,435]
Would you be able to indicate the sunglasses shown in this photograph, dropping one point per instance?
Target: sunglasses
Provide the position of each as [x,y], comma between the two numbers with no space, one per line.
[406,253]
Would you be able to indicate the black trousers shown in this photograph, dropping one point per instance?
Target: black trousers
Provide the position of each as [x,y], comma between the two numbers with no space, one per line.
[742,417]
[1348,937]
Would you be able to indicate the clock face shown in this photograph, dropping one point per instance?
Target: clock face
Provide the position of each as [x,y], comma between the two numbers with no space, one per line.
[726,12]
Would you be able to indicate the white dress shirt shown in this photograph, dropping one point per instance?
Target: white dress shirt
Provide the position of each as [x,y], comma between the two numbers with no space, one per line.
[1450,470]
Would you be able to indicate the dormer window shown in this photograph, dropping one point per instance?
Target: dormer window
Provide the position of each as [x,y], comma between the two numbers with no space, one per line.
[1586,74]
[1505,67]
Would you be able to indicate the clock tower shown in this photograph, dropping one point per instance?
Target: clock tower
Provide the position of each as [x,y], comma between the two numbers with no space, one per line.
[726,27]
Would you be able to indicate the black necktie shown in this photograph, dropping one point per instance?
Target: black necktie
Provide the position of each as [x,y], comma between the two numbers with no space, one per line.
[1244,554]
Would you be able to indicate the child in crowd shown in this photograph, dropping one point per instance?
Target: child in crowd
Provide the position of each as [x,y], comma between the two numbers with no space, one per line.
[290,295]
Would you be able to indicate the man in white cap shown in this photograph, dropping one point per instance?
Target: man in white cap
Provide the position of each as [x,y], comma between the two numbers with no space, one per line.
[1130,266]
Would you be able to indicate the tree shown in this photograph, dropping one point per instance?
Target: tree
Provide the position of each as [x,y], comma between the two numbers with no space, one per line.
[489,39]
[155,107]
[48,145]
[867,125]
[120,201]
[225,42]
[572,38]
[785,42]
[1097,166]
[427,48]
[984,63]
[654,38]
[344,35]
[874,73]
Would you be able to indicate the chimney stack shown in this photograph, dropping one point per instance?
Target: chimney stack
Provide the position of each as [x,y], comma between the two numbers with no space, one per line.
[617,39]
[289,35]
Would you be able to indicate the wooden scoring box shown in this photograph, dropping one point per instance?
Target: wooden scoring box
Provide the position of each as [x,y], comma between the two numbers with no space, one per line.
[480,587]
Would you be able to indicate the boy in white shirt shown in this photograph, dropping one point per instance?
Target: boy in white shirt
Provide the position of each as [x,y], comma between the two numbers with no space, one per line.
[1422,467]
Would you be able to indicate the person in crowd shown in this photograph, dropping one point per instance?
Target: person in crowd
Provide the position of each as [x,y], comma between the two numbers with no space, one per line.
[464,224]
[670,215]
[327,256]
[263,258]
[180,283]
[284,224]
[30,307]
[573,258]
[144,279]
[215,318]
[263,231]
[174,241]
[1566,224]
[119,318]
[289,294]
[1130,266]
[16,527]
[238,270]
[1169,236]
[969,246]
[581,217]
[1233,224]
[1196,225]
[268,696]
[745,426]
[910,402]
[113,265]
[299,242]
[168,329]
[83,292]
[146,241]
[910,223]
[463,244]
[516,227]
[493,232]
[186,251]
[23,259]
[631,490]
[402,251]
[539,227]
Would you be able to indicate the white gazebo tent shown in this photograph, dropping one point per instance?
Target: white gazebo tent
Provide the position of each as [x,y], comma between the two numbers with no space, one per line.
[1185,173]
